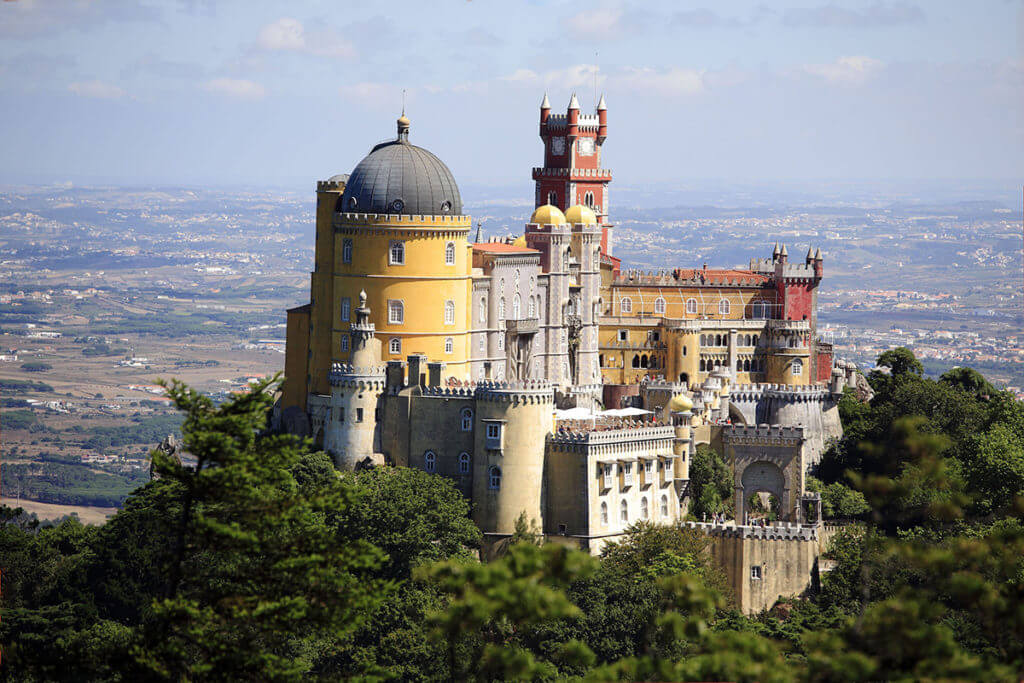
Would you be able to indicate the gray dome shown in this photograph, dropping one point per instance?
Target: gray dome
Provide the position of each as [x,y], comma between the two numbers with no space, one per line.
[401,178]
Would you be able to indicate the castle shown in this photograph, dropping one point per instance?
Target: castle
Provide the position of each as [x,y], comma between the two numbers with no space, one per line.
[490,362]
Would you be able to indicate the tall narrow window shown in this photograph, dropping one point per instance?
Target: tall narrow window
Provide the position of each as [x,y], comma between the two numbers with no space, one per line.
[396,312]
[430,461]
[494,478]
[449,254]
[798,367]
[449,345]
[552,199]
[344,342]
[517,307]
[566,255]
[626,305]
[691,307]
[397,253]
[644,514]
[624,512]
[483,310]
[346,251]
[604,514]
[449,312]
[467,419]
[664,506]
[346,308]
[463,463]
[723,307]
[533,307]
[501,308]
[659,306]
[395,345]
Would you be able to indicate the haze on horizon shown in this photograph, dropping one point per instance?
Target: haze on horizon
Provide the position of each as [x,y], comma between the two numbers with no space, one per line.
[233,93]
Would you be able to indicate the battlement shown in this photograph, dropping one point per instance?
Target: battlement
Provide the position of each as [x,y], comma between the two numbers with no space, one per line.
[572,173]
[703,277]
[789,325]
[776,531]
[402,220]
[343,374]
[763,433]
[330,185]
[624,431]
[528,391]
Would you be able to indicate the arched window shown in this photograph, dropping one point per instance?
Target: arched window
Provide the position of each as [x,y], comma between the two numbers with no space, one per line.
[659,306]
[396,312]
[761,309]
[483,310]
[684,350]
[449,254]
[746,366]
[624,511]
[718,340]
[553,198]
[344,343]
[430,461]
[449,345]
[463,463]
[625,305]
[517,307]
[467,419]
[643,361]
[346,251]
[533,307]
[691,306]
[396,255]
[494,478]
[449,312]
[566,255]
[703,367]
[604,514]
[664,506]
[501,308]
[723,307]
[798,367]
[395,345]
[739,365]
[346,308]
[754,341]
[644,514]
[636,361]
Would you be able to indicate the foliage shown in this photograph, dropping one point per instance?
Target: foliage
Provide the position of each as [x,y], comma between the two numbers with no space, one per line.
[23,386]
[70,484]
[36,366]
[837,499]
[711,483]
[901,361]
[969,381]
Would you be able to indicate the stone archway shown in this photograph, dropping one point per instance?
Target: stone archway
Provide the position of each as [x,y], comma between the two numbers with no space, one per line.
[761,476]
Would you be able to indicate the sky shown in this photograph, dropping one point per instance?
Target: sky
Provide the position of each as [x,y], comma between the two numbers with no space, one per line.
[236,93]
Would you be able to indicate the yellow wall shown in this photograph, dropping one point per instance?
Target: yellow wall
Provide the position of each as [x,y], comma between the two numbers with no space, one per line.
[643,299]
[296,358]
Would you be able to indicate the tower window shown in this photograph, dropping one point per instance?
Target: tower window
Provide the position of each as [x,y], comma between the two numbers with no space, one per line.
[798,367]
[494,478]
[449,312]
[449,346]
[588,199]
[395,345]
[623,335]
[553,198]
[346,251]
[644,514]
[626,305]
[463,463]
[691,306]
[344,342]
[755,573]
[449,254]
[501,309]
[467,420]
[664,506]
[533,307]
[430,461]
[346,308]
[396,255]
[604,514]
[483,310]
[659,306]
[516,307]
[723,307]
[624,512]
[396,312]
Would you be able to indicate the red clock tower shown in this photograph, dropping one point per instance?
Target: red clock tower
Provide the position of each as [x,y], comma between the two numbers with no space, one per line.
[572,172]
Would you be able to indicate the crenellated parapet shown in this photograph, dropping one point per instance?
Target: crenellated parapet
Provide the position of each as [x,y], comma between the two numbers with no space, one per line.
[775,435]
[524,392]
[343,374]
[777,531]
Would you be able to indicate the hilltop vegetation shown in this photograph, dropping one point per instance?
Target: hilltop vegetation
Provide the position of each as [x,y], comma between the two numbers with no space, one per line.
[264,563]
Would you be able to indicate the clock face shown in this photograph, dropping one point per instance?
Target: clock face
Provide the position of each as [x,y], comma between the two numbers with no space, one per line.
[558,146]
[586,147]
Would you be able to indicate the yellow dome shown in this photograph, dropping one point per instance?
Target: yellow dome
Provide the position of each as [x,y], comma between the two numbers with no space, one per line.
[577,213]
[548,215]
[519,241]
[680,403]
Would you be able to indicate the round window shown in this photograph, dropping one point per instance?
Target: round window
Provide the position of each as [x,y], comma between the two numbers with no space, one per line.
[352,202]
[446,206]
[397,205]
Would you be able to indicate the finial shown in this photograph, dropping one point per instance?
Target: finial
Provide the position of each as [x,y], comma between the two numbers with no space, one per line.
[545,104]
[573,102]
[479,224]
[362,298]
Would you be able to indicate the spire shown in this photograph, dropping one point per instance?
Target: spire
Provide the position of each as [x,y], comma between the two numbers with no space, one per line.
[601,106]
[545,104]
[817,254]
[403,126]
[574,103]
[784,252]
[810,253]
[775,251]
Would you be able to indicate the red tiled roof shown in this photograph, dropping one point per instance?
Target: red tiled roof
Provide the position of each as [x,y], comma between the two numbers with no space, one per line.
[501,248]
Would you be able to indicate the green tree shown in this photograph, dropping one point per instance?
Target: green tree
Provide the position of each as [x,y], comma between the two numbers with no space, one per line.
[993,465]
[969,381]
[901,361]
[711,483]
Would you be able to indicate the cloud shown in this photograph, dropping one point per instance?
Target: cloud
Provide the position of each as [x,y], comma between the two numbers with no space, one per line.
[704,18]
[151,63]
[289,35]
[96,89]
[877,15]
[607,23]
[671,81]
[235,87]
[853,70]
[27,19]
[575,76]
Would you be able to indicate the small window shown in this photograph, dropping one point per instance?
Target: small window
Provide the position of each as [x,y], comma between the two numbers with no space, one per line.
[483,310]
[482,342]
[644,514]
[664,506]
[494,478]
[352,203]
[623,335]
[501,342]
[659,306]
[346,309]
[501,308]
[396,312]
[798,367]
[396,255]
[755,573]
[517,307]
[449,254]
[604,514]
[463,463]
[395,345]
[344,342]
[533,307]
[449,345]
[691,306]
[493,430]
[723,307]
[346,251]
[340,414]
[449,312]
[430,461]
[359,414]
[624,512]
[626,305]
[446,206]
[552,198]
[467,419]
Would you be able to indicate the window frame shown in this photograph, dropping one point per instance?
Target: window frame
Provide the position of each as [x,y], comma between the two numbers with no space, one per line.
[346,251]
[346,309]
[660,306]
[449,254]
[449,312]
[393,306]
[464,463]
[449,345]
[494,478]
[466,419]
[398,245]
[395,346]
[430,462]
[724,307]
[625,305]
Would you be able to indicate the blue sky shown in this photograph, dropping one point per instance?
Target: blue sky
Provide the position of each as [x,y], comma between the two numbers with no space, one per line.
[269,93]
